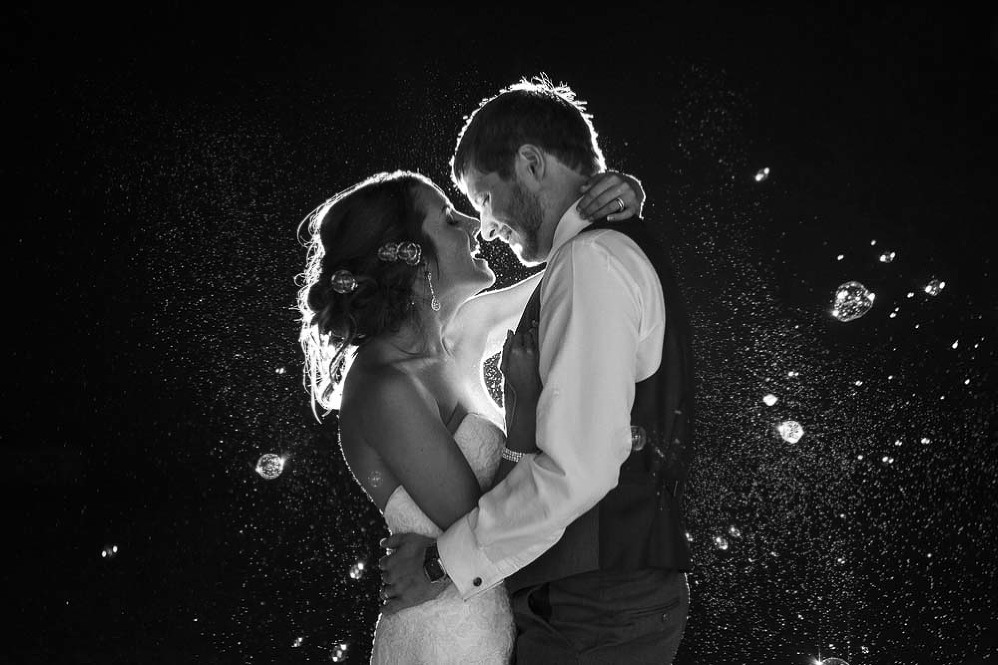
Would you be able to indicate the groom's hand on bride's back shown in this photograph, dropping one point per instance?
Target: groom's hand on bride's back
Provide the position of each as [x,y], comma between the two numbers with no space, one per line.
[404,582]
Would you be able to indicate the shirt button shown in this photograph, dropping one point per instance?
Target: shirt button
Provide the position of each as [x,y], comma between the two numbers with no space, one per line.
[477,581]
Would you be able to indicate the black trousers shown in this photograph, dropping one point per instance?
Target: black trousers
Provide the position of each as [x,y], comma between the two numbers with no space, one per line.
[601,618]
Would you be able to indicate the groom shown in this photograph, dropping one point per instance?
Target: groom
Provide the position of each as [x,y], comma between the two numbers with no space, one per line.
[587,532]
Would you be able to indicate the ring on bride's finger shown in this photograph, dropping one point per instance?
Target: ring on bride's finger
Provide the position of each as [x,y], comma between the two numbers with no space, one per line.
[620,202]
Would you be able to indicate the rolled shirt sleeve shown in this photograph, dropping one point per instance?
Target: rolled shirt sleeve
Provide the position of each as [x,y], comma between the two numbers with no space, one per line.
[594,317]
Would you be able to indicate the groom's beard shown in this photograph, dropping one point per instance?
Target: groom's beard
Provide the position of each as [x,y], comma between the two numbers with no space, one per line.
[525,208]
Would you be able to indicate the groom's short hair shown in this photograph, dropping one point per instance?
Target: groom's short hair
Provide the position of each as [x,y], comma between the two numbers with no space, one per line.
[532,111]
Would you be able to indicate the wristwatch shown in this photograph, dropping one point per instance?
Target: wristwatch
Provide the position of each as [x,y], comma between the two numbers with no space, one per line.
[431,565]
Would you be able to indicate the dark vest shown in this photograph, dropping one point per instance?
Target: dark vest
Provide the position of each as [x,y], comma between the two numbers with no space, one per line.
[638,524]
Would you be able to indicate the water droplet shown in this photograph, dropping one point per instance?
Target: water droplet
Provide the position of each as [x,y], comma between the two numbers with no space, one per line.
[887,257]
[851,301]
[109,552]
[762,174]
[270,466]
[955,344]
[925,440]
[790,430]
[638,437]
[721,542]
[770,400]
[280,370]
[934,287]
[358,569]
[338,654]
[297,642]
[857,383]
[840,257]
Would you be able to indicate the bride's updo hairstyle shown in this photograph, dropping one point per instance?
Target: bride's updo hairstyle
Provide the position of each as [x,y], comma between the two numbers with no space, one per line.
[345,233]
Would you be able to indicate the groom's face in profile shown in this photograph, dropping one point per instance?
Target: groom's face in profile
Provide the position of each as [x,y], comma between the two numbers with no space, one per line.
[508,211]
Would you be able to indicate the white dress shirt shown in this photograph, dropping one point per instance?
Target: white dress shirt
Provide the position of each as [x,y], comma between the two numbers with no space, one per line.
[601,331]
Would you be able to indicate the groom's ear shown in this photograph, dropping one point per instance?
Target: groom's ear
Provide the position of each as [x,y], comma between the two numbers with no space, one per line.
[531,165]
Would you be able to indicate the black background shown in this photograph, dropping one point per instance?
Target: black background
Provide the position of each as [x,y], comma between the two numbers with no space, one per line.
[158,162]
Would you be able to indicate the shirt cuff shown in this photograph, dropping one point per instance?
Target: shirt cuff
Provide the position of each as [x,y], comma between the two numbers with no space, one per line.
[467,566]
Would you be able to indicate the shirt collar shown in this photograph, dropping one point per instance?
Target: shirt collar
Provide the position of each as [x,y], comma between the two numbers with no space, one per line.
[569,226]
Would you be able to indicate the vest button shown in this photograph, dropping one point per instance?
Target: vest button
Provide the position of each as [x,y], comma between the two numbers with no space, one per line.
[477,581]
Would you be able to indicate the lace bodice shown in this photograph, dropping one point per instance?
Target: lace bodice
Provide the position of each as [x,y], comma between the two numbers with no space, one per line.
[481,441]
[448,630]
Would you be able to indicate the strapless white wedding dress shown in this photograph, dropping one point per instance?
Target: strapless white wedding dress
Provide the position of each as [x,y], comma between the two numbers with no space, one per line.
[447,629]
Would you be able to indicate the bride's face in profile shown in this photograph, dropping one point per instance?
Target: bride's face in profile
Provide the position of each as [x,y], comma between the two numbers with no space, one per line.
[461,273]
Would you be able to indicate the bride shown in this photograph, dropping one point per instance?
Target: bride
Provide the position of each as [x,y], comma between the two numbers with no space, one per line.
[394,292]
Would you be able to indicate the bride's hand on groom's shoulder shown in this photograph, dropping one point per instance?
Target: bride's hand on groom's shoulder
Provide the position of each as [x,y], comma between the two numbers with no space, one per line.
[604,193]
[403,580]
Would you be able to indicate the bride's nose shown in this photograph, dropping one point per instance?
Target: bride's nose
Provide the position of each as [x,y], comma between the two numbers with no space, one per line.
[472,226]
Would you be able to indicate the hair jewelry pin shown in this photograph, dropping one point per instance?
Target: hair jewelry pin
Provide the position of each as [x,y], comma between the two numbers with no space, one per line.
[408,252]
[344,281]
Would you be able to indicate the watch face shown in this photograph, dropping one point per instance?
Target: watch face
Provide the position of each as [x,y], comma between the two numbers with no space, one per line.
[433,569]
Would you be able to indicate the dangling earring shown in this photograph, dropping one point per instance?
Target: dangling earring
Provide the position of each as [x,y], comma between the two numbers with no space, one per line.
[434,303]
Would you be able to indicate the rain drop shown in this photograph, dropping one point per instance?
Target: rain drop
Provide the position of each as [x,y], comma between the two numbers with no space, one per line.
[270,466]
[790,430]
[338,654]
[358,569]
[638,437]
[934,287]
[851,301]
[769,400]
